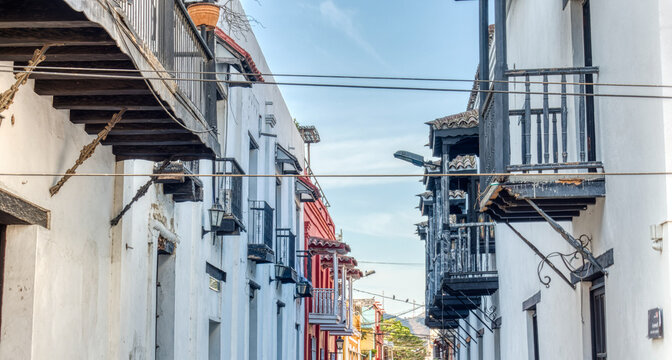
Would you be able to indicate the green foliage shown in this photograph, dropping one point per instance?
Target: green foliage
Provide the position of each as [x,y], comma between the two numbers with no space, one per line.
[406,345]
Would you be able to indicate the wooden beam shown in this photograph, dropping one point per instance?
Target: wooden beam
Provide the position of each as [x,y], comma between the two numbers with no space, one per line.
[63,74]
[139,129]
[100,116]
[17,211]
[152,140]
[91,87]
[183,152]
[48,24]
[38,11]
[64,53]
[41,36]
[98,102]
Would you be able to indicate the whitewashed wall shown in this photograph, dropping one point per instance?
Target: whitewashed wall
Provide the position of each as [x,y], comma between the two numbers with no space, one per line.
[57,279]
[632,43]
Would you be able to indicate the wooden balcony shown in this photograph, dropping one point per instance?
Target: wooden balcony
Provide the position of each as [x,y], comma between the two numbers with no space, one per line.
[552,142]
[105,56]
[468,264]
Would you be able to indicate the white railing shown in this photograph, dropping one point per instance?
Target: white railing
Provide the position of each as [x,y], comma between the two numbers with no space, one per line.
[323,302]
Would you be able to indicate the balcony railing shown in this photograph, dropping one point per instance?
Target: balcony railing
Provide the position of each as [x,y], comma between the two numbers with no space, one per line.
[551,122]
[260,232]
[471,251]
[285,250]
[464,265]
[230,192]
[165,29]
[285,256]
[323,302]
[556,129]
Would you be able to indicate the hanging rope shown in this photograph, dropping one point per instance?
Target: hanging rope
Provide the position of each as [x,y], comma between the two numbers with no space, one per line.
[7,97]
[87,151]
[140,193]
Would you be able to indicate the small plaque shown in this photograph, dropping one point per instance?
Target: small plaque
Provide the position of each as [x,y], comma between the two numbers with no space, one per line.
[656,323]
[214,284]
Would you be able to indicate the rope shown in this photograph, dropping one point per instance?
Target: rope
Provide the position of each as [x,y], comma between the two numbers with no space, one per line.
[87,151]
[7,97]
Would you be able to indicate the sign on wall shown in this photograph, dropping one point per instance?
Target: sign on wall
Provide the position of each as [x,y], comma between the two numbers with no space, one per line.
[656,323]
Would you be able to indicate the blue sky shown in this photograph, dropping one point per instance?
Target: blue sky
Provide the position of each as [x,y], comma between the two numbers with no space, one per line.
[361,129]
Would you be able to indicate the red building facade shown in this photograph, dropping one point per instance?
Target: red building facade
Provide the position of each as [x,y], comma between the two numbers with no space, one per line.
[323,244]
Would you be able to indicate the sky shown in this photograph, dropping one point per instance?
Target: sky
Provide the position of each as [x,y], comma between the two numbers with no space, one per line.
[360,129]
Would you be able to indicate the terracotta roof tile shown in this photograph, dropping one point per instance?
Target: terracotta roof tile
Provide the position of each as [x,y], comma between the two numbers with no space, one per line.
[325,246]
[463,162]
[246,59]
[464,120]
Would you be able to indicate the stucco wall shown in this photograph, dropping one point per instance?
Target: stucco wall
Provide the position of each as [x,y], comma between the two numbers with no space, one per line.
[631,44]
[57,279]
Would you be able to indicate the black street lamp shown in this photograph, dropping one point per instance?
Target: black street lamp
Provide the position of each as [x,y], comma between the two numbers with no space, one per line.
[413,158]
[216,218]
[339,343]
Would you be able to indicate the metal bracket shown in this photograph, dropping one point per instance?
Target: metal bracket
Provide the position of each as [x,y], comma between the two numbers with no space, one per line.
[567,236]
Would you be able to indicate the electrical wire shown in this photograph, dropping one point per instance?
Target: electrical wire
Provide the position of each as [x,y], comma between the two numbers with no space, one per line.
[353,86]
[573,176]
[388,297]
[390,263]
[352,77]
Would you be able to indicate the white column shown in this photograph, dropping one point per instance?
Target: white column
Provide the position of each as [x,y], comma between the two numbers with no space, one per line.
[335,270]
[343,293]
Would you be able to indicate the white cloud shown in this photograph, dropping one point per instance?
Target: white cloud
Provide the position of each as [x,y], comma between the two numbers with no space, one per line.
[343,20]
[364,156]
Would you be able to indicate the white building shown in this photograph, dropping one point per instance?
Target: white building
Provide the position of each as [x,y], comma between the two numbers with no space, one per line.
[162,282]
[614,298]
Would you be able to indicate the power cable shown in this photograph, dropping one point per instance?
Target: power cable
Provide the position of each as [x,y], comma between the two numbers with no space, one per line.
[388,297]
[390,263]
[352,86]
[577,176]
[353,77]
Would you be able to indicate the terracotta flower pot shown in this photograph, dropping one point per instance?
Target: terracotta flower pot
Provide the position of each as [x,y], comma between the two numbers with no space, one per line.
[204,14]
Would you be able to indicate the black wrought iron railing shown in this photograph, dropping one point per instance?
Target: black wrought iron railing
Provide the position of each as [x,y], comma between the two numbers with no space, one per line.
[165,29]
[230,188]
[260,231]
[551,119]
[467,251]
[285,250]
[554,119]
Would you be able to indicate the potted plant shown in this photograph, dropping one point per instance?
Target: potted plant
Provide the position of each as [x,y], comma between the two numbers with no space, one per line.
[204,13]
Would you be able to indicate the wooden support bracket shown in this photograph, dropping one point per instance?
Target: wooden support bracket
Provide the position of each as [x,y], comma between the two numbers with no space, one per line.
[87,151]
[7,97]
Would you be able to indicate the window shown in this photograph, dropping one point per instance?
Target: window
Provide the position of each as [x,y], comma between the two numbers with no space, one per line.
[214,341]
[532,334]
[252,323]
[535,335]
[598,320]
